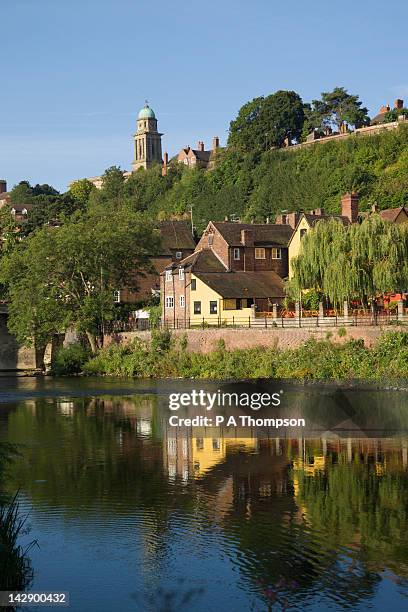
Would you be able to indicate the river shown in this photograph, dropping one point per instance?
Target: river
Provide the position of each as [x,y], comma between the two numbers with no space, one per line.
[131,514]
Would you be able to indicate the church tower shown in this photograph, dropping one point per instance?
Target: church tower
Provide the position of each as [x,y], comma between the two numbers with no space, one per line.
[148,149]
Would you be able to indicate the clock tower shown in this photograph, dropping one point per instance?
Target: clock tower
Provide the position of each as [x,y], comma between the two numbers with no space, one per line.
[148,150]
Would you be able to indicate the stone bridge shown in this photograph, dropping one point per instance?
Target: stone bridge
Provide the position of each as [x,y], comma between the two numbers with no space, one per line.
[12,356]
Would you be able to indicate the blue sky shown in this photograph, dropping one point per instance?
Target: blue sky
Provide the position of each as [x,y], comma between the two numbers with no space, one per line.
[75,73]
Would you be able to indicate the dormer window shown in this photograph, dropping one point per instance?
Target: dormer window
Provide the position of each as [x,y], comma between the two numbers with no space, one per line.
[179,255]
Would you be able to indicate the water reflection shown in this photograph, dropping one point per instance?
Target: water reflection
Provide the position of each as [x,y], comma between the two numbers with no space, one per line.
[317,522]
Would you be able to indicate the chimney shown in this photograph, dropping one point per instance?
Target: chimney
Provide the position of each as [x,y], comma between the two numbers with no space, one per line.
[247,237]
[399,103]
[293,219]
[384,109]
[215,143]
[165,163]
[349,206]
[3,186]
[317,212]
[200,145]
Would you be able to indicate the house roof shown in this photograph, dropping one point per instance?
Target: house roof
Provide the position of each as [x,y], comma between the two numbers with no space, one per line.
[20,207]
[202,155]
[391,214]
[244,284]
[175,235]
[203,260]
[378,119]
[264,233]
[313,219]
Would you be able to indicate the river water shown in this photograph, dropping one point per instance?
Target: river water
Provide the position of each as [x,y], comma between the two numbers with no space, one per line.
[131,514]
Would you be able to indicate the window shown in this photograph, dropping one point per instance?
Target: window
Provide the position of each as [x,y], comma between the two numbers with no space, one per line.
[210,239]
[302,233]
[179,255]
[181,273]
[197,307]
[236,254]
[169,275]
[116,297]
[213,308]
[285,219]
[232,304]
[182,301]
[193,284]
[169,301]
[276,253]
[260,253]
[216,444]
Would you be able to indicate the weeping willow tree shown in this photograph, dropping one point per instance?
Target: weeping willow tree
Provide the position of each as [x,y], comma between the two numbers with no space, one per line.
[360,261]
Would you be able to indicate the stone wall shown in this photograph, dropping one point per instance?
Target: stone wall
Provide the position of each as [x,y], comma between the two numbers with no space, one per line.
[12,356]
[205,341]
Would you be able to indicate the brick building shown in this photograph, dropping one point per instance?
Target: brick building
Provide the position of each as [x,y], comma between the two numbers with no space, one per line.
[200,157]
[177,242]
[235,268]
[249,247]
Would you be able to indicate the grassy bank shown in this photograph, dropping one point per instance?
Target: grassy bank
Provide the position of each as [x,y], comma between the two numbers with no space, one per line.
[164,357]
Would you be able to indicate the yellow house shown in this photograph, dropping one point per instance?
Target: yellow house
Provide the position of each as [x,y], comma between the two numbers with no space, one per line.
[305,223]
[200,291]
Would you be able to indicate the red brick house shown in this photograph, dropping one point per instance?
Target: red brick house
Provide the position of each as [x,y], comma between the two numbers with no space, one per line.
[249,247]
[200,157]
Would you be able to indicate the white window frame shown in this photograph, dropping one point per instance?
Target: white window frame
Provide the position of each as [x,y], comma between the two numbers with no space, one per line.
[116,296]
[169,275]
[181,273]
[179,254]
[237,254]
[260,253]
[182,301]
[277,251]
[169,301]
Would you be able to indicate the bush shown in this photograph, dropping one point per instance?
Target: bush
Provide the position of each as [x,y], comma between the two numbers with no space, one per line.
[161,340]
[70,360]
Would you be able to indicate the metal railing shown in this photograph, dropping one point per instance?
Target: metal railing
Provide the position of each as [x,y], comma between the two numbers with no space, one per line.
[308,320]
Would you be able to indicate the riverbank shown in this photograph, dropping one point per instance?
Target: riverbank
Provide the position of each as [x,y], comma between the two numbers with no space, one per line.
[165,356]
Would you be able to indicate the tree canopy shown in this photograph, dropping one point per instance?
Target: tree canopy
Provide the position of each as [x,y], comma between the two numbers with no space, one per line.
[359,261]
[267,122]
[334,108]
[66,276]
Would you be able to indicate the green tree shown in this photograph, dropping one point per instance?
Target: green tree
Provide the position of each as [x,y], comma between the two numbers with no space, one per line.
[360,261]
[335,108]
[21,193]
[267,122]
[393,114]
[66,276]
[81,190]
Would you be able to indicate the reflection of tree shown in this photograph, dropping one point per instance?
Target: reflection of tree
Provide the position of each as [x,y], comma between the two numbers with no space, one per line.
[15,567]
[351,506]
[295,532]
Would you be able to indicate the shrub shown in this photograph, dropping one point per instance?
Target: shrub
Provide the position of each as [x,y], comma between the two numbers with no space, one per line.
[161,340]
[341,332]
[70,359]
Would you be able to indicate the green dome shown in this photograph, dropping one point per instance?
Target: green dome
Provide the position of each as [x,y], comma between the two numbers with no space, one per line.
[146,113]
